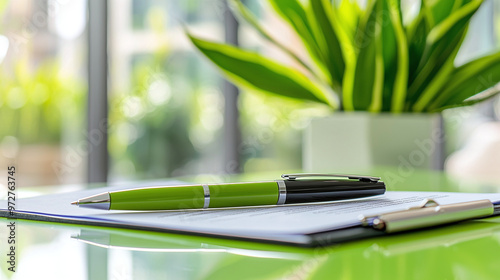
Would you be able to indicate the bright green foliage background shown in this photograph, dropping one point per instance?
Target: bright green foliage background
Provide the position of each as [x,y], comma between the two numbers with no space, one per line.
[365,58]
[37,105]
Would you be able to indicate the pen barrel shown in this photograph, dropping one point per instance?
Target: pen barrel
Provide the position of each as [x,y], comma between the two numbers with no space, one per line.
[158,198]
[300,191]
[195,196]
[243,194]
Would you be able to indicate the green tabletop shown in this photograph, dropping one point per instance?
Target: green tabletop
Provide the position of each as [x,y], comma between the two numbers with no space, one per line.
[468,250]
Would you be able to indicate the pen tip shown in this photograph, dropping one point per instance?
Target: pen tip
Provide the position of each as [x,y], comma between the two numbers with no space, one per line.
[74,203]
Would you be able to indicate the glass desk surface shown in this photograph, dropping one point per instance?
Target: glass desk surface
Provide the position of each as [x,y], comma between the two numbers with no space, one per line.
[468,250]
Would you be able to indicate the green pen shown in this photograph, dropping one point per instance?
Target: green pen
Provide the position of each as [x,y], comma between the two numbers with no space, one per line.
[294,188]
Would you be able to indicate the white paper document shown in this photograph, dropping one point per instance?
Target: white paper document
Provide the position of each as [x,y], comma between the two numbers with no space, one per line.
[298,219]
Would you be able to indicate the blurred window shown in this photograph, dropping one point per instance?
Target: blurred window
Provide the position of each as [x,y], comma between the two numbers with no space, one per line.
[166,103]
[42,90]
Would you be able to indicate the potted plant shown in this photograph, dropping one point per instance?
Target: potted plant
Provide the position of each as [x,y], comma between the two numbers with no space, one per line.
[396,74]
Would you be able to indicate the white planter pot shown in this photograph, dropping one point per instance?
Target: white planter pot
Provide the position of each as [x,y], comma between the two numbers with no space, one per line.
[361,141]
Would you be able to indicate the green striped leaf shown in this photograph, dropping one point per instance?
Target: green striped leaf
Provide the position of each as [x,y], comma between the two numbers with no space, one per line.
[348,14]
[493,92]
[401,76]
[367,54]
[245,14]
[364,89]
[295,15]
[389,53]
[327,39]
[442,45]
[469,80]
[439,10]
[416,37]
[254,71]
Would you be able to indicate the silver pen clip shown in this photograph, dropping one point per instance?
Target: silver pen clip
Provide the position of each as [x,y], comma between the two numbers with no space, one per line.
[352,177]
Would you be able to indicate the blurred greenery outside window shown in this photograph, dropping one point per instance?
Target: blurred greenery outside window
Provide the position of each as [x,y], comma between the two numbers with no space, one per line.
[167,108]
[161,125]
[42,89]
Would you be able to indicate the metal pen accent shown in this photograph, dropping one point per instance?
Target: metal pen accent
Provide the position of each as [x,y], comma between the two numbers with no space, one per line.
[100,201]
[206,193]
[309,175]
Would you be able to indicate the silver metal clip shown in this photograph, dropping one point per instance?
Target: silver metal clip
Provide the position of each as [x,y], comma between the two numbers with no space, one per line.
[428,214]
[353,177]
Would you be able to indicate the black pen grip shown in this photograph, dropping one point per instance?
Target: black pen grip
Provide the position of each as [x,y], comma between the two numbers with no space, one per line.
[300,191]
